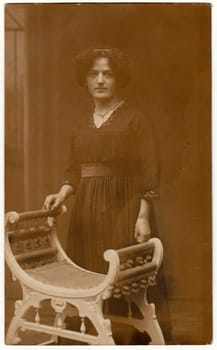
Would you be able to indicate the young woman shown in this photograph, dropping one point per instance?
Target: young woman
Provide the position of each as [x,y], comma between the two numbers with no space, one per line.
[112,168]
[112,171]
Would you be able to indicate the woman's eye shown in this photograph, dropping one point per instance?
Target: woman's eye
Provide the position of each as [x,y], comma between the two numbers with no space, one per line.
[92,74]
[108,74]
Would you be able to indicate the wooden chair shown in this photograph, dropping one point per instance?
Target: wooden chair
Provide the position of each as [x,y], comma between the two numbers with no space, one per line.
[44,271]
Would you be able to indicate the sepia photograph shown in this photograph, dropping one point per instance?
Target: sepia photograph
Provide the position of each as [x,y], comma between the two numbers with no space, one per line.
[108,174]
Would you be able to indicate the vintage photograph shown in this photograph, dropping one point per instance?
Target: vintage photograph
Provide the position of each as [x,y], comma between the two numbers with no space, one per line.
[108,205]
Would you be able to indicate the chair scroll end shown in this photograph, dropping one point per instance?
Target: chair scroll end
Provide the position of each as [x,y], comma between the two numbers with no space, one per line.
[11,217]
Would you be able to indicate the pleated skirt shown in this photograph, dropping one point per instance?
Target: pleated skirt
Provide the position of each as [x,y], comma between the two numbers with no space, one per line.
[103,217]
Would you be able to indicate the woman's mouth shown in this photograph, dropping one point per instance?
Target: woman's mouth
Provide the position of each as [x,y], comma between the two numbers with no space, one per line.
[100,89]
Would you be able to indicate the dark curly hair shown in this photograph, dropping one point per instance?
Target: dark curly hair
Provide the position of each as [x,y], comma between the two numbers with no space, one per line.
[117,59]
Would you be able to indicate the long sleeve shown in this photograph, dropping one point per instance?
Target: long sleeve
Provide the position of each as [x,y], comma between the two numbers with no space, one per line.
[72,171]
[149,155]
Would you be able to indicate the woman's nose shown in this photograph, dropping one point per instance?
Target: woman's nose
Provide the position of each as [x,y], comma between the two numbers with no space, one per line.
[100,79]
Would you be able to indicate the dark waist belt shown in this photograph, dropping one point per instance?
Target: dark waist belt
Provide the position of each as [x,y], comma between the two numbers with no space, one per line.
[99,169]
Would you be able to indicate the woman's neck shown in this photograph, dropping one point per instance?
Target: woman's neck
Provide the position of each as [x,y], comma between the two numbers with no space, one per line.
[102,106]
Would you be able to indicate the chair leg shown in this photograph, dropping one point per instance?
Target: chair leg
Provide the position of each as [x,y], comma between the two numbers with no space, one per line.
[21,306]
[149,323]
[94,311]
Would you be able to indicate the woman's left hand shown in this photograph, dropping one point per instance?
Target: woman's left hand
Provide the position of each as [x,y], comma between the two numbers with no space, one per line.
[142,230]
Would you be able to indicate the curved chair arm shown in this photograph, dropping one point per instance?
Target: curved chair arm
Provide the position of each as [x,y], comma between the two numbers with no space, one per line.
[119,260]
[13,217]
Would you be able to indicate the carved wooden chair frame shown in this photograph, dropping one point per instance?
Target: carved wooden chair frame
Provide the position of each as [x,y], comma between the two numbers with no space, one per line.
[34,256]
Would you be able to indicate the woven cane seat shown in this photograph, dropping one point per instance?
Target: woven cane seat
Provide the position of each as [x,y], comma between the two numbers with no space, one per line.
[65,275]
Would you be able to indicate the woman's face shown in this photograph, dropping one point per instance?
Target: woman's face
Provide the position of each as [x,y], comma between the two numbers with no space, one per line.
[101,82]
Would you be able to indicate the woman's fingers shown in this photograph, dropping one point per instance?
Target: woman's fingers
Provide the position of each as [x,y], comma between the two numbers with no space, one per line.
[56,204]
[45,205]
[144,236]
[52,202]
[49,202]
[137,235]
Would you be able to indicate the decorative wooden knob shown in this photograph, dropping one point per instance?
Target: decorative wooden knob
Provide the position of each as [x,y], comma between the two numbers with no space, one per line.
[126,290]
[128,264]
[135,287]
[152,280]
[144,283]
[117,293]
[135,284]
[139,260]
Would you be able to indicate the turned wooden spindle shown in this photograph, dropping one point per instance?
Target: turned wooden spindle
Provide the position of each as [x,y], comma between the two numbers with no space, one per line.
[83,327]
[37,317]
[59,320]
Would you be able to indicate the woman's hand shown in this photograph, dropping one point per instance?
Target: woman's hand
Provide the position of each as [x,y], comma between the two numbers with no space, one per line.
[142,227]
[53,201]
[142,230]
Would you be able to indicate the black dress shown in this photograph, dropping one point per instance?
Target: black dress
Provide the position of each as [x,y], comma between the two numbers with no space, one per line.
[111,169]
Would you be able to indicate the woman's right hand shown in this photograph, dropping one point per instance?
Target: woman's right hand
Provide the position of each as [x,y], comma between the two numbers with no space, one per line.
[53,201]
